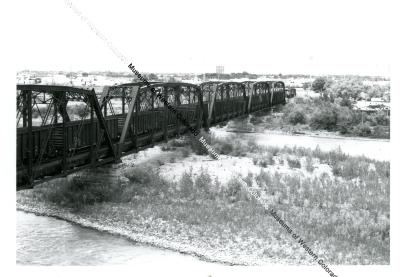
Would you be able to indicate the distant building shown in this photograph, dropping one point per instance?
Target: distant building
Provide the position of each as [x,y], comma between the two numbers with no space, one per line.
[71,75]
[220,69]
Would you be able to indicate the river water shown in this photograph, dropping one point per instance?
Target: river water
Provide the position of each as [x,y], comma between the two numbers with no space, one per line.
[371,148]
[44,240]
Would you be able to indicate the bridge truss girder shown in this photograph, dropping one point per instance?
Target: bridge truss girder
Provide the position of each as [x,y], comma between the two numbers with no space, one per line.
[48,139]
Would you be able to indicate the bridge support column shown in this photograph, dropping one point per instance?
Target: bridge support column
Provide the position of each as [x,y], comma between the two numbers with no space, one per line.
[28,106]
[64,131]
[92,135]
[165,125]
[211,105]
[250,98]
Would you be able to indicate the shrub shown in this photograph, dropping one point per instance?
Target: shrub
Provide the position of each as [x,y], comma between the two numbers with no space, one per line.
[78,191]
[144,180]
[140,175]
[273,150]
[178,142]
[196,146]
[324,118]
[185,152]
[363,130]
[253,147]
[223,147]
[186,185]
[234,191]
[232,145]
[294,162]
[297,117]
[203,184]
[255,120]
[380,132]
[309,164]
[380,118]
[266,160]
[351,168]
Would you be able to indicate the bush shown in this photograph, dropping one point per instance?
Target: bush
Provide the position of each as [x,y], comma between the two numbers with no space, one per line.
[363,130]
[380,132]
[78,191]
[186,185]
[380,118]
[255,120]
[266,160]
[297,117]
[234,191]
[351,168]
[324,118]
[196,146]
[223,147]
[178,143]
[232,145]
[144,181]
[140,175]
[309,164]
[294,162]
[185,152]
[203,185]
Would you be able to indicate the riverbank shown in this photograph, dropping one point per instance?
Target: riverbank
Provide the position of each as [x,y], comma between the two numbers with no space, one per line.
[134,232]
[373,148]
[173,199]
[188,239]
[312,115]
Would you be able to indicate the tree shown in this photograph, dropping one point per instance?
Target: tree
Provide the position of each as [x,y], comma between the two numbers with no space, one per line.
[346,102]
[152,77]
[306,86]
[319,84]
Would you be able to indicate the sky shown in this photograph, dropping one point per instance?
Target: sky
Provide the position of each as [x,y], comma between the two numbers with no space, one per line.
[288,37]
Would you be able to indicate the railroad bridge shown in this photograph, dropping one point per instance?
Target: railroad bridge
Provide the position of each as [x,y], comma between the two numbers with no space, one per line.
[62,129]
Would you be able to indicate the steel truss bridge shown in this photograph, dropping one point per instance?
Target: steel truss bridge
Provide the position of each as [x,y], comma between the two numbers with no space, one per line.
[63,129]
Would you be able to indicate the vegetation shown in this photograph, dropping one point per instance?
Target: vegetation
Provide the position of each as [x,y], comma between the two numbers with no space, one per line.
[320,84]
[351,89]
[345,214]
[321,114]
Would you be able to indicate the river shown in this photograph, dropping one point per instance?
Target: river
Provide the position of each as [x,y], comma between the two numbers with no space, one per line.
[372,148]
[44,240]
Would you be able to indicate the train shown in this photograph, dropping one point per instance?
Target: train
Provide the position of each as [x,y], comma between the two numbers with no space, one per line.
[122,119]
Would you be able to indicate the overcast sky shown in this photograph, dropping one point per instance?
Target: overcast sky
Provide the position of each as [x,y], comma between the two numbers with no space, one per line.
[308,37]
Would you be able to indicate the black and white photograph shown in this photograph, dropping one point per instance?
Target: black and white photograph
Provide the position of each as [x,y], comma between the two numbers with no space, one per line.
[200,138]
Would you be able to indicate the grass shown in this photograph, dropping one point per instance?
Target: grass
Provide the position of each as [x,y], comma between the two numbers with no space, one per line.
[346,215]
[78,192]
